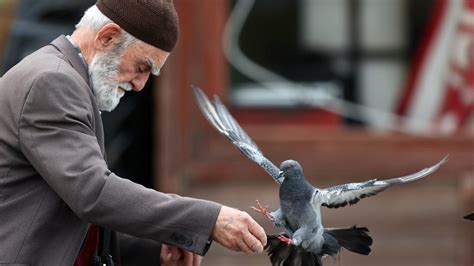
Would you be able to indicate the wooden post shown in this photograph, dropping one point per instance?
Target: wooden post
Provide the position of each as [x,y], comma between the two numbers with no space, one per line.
[197,60]
[7,14]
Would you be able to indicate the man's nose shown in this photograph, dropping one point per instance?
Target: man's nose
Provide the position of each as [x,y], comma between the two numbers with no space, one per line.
[140,80]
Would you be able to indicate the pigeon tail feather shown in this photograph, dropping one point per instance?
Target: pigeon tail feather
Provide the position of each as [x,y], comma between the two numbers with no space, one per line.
[282,254]
[355,239]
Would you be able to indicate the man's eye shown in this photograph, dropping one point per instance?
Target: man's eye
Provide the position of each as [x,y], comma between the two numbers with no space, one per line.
[142,68]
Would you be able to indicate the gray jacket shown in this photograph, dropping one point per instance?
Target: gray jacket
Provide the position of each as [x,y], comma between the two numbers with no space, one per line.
[54,180]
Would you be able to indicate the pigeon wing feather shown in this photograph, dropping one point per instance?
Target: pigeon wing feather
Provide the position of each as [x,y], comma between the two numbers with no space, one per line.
[222,120]
[351,193]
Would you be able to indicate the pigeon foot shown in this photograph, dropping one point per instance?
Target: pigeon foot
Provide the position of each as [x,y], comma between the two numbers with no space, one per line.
[262,210]
[285,239]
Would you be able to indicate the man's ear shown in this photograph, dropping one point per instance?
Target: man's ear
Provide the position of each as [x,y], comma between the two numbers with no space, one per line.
[107,36]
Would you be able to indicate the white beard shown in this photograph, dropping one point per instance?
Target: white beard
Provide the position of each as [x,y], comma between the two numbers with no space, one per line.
[103,73]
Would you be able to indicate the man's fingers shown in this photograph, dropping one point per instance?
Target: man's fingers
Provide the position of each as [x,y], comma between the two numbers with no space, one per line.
[197,260]
[253,243]
[176,254]
[242,245]
[258,232]
[188,258]
[238,231]
[166,255]
[250,241]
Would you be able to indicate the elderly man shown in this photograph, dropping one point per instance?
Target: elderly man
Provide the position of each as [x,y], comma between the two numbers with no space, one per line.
[55,186]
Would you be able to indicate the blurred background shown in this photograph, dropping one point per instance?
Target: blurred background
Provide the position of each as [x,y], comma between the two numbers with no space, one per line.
[352,89]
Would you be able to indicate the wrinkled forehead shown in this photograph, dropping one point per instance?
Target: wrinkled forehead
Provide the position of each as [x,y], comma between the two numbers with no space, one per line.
[153,55]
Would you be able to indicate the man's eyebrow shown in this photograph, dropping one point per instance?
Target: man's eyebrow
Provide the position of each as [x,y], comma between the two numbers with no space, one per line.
[155,71]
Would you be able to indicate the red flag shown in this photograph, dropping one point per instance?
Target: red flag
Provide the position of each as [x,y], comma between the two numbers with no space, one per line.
[439,94]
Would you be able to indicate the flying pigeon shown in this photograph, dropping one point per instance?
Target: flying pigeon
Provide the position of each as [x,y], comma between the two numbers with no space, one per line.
[469,217]
[305,240]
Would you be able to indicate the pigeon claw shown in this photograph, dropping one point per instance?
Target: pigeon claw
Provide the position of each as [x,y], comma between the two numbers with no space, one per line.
[262,210]
[285,240]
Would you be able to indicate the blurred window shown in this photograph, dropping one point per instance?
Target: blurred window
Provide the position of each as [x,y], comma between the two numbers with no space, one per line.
[357,50]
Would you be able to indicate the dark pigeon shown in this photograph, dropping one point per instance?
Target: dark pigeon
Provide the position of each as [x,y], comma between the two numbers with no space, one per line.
[305,240]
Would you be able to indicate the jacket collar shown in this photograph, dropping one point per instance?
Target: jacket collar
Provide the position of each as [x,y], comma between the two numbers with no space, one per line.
[65,47]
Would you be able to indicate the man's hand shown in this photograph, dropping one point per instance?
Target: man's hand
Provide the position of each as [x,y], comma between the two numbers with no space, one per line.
[174,256]
[236,230]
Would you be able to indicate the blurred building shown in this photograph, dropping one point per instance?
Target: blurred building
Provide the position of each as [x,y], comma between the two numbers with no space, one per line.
[325,82]
[320,82]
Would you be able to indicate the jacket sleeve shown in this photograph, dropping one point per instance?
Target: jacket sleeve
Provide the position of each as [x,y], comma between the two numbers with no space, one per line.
[57,136]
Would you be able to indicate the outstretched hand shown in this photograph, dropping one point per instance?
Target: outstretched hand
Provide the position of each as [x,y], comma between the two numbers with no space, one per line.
[236,230]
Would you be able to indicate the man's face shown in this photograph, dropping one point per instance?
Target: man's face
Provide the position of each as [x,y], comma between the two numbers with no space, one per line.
[114,72]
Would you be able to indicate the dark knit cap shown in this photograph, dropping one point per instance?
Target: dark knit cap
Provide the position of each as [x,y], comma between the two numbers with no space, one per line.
[152,21]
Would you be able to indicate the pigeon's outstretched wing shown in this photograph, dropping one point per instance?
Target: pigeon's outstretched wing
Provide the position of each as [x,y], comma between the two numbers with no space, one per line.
[222,120]
[342,195]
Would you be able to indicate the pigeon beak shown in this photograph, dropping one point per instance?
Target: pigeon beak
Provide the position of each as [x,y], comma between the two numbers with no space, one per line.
[281,176]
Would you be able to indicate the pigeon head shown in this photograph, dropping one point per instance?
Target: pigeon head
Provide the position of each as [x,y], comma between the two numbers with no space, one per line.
[290,169]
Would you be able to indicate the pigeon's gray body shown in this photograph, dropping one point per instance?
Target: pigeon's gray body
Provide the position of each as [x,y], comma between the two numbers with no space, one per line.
[299,214]
[300,219]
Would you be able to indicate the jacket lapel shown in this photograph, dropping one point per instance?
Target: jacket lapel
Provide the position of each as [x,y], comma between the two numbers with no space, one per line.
[65,47]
